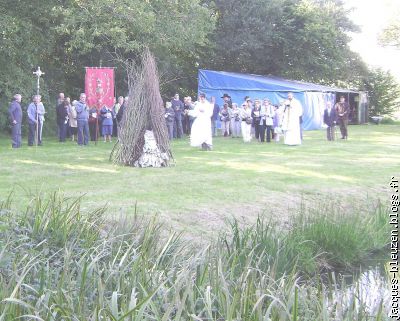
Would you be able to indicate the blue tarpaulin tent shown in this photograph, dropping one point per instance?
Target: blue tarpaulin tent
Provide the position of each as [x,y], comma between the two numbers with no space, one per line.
[313,97]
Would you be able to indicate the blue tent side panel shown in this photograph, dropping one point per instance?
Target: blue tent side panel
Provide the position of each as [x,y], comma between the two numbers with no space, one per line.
[312,97]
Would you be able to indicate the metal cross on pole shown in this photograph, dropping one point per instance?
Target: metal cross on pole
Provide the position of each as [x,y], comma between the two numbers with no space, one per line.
[38,74]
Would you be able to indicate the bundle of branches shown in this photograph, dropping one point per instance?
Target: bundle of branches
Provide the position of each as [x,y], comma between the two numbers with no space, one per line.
[144,111]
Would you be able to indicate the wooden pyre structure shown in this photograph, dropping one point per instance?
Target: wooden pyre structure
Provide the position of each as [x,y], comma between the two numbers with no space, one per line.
[142,136]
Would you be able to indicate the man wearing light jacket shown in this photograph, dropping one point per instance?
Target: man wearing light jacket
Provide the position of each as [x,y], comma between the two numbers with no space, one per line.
[35,112]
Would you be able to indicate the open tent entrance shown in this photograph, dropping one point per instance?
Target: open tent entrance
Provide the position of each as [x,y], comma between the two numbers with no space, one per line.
[358,106]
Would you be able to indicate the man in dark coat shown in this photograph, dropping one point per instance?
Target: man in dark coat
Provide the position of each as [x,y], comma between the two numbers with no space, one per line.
[178,107]
[214,117]
[342,111]
[227,99]
[15,112]
[62,119]
[120,113]
[94,123]
[330,121]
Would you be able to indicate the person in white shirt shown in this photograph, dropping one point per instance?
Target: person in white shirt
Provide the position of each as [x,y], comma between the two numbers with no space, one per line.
[269,119]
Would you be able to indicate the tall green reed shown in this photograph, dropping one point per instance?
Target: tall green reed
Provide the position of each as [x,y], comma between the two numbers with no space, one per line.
[58,262]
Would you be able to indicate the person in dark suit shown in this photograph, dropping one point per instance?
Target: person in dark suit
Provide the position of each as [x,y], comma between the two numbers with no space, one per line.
[62,120]
[15,112]
[330,121]
[214,117]
[94,123]
[178,107]
[120,113]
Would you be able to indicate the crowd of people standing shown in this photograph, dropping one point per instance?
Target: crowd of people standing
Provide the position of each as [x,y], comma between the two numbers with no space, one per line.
[75,120]
[201,120]
[253,118]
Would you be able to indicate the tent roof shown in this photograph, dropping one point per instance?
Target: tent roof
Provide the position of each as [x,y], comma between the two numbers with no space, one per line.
[223,80]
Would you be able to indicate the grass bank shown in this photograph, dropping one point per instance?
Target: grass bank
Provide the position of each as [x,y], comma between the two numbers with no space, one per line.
[59,262]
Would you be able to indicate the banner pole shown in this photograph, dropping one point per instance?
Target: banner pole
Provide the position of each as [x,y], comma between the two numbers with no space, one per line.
[97,129]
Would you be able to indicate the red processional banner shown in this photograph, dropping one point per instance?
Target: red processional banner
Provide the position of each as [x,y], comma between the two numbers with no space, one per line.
[99,86]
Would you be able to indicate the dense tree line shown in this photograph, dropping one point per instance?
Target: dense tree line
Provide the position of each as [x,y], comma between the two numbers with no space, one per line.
[64,36]
[384,92]
[297,39]
[304,40]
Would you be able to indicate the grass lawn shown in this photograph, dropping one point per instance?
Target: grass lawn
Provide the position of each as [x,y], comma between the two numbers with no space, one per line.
[204,188]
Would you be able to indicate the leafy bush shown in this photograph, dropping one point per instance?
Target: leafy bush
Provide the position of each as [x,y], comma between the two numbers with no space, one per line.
[384,92]
[389,121]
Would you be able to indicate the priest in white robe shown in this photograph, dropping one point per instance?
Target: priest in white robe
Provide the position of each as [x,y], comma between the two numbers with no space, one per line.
[291,121]
[200,135]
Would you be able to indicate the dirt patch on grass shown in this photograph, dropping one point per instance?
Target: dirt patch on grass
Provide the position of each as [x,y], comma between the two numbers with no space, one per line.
[207,222]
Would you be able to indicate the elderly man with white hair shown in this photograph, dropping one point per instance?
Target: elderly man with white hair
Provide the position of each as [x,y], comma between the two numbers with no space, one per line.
[82,117]
[36,113]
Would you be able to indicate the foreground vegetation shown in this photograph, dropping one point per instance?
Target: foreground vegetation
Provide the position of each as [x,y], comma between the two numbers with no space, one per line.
[58,262]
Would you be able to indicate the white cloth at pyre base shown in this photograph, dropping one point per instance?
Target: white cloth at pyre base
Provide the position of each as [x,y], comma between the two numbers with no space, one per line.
[152,156]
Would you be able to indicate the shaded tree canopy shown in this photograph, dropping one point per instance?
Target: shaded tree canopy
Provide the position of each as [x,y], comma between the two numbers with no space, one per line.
[64,36]
[384,92]
[298,39]
[303,40]
[124,27]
